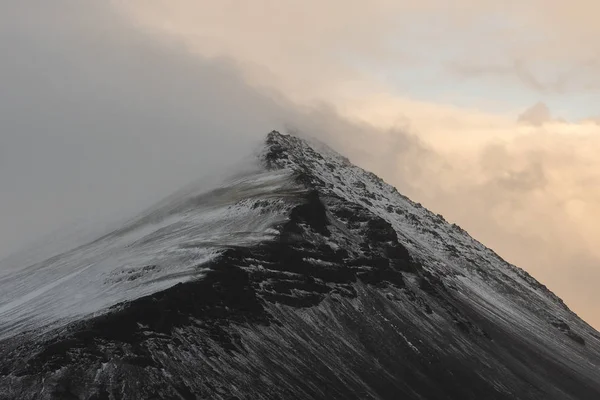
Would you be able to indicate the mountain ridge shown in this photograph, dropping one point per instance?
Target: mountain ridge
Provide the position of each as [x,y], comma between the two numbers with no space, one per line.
[344,289]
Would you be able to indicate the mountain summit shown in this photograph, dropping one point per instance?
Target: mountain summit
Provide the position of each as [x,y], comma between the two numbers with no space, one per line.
[307,278]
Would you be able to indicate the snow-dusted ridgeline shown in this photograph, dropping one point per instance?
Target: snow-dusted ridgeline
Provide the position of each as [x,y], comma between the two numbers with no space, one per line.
[163,247]
[307,279]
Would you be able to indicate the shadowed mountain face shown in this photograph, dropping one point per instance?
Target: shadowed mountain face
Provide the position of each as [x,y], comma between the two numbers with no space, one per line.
[308,279]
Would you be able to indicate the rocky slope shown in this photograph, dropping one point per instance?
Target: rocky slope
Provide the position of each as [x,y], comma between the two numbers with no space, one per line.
[308,278]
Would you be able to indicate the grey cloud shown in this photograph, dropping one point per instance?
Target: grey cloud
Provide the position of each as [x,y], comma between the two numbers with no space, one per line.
[397,155]
[97,119]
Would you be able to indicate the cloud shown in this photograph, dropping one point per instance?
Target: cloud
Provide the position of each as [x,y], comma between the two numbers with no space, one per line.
[536,115]
[545,46]
[516,70]
[98,119]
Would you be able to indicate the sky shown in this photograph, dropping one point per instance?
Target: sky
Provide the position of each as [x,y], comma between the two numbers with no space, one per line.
[486,112]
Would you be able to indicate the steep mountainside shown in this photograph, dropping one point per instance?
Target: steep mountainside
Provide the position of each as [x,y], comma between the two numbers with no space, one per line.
[308,278]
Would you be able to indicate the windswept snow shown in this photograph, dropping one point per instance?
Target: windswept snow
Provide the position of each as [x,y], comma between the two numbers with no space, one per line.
[165,246]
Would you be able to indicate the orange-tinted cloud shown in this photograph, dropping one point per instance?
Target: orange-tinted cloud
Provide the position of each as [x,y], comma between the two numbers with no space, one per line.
[536,115]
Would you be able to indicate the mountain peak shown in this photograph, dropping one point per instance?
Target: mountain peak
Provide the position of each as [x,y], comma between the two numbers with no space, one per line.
[310,278]
[289,151]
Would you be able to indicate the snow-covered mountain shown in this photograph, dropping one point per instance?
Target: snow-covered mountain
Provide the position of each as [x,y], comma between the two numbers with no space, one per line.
[305,278]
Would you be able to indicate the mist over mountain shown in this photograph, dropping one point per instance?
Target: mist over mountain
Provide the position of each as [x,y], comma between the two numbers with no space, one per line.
[108,106]
[302,277]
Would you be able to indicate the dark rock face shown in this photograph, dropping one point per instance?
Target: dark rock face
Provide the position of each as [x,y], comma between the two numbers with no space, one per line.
[342,304]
